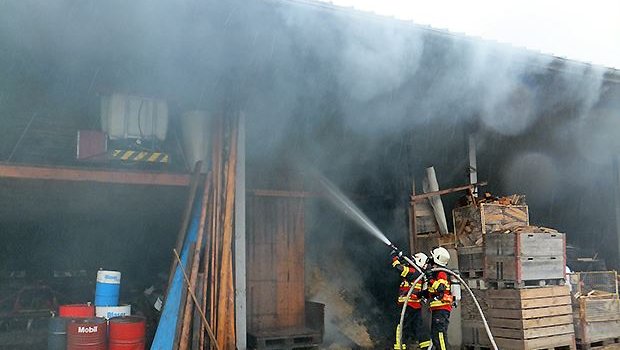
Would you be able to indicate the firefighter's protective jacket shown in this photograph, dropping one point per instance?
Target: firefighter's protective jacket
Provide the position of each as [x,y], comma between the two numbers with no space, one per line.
[408,274]
[439,292]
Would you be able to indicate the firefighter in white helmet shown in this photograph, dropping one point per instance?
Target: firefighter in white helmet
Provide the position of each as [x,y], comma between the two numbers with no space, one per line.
[414,328]
[440,297]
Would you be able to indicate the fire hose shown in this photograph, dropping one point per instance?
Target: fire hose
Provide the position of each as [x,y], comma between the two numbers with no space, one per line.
[402,313]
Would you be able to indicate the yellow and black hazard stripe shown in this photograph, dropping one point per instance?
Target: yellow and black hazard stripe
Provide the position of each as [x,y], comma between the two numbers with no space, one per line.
[139,156]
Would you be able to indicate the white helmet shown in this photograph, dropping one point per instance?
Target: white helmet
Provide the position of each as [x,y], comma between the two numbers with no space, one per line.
[420,259]
[441,256]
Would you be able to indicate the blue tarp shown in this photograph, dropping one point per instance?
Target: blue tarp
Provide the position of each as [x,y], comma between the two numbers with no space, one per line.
[164,337]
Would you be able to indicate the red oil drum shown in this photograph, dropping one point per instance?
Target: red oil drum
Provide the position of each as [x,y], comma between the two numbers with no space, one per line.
[87,334]
[76,310]
[127,333]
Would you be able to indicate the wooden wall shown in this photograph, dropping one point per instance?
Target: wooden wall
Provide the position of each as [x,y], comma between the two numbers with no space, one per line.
[275,263]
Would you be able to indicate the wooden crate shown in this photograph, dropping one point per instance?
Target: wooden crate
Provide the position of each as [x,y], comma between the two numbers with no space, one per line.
[523,259]
[533,318]
[471,261]
[596,320]
[524,243]
[471,223]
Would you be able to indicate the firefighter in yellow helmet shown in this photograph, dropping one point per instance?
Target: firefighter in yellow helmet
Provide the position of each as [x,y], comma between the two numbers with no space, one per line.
[414,328]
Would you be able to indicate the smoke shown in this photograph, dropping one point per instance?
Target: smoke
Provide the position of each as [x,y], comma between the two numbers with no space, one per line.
[368,101]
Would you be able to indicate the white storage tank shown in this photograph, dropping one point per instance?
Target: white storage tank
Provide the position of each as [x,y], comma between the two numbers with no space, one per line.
[134,117]
[195,135]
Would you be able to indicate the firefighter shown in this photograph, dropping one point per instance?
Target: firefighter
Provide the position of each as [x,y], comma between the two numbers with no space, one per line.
[413,324]
[440,297]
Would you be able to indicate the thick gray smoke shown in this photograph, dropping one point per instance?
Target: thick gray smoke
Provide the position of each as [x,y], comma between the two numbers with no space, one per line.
[368,101]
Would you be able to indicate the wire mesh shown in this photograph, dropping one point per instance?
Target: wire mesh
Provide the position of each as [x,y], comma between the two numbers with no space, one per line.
[594,282]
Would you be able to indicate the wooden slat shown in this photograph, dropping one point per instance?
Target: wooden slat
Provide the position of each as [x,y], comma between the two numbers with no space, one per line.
[529,303]
[532,323]
[528,293]
[549,342]
[531,313]
[532,333]
[92,175]
[596,331]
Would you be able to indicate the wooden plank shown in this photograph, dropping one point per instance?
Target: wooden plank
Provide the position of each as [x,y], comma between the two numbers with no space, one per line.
[531,313]
[281,193]
[226,313]
[596,331]
[532,333]
[600,309]
[538,343]
[528,293]
[531,323]
[517,304]
[446,191]
[92,175]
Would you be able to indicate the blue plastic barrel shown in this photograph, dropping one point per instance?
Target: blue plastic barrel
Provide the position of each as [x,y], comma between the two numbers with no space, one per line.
[108,288]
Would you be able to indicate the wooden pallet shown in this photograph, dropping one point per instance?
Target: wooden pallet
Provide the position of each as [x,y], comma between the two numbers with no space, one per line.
[475,347]
[298,340]
[476,283]
[598,344]
[532,318]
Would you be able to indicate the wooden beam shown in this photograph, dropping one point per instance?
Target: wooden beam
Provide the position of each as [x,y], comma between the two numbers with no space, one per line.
[14,171]
[282,193]
[446,191]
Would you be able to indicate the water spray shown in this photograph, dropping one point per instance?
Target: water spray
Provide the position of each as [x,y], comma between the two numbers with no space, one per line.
[353,212]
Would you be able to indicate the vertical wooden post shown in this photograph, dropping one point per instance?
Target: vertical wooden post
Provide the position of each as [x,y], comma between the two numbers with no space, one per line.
[240,239]
[413,228]
[226,309]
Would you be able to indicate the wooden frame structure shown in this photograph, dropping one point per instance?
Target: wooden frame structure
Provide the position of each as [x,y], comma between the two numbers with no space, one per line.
[471,188]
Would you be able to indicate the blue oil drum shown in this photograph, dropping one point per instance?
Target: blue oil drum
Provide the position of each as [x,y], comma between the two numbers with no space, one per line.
[108,288]
[57,333]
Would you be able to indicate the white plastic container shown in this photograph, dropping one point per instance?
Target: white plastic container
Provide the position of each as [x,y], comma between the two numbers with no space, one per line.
[195,134]
[126,117]
[109,312]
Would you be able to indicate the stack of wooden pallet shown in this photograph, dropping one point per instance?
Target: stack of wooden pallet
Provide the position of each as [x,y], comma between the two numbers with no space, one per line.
[471,267]
[596,308]
[531,318]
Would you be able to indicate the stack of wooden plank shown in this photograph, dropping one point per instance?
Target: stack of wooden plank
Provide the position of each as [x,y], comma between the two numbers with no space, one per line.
[596,308]
[472,222]
[531,318]
[525,258]
[206,316]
